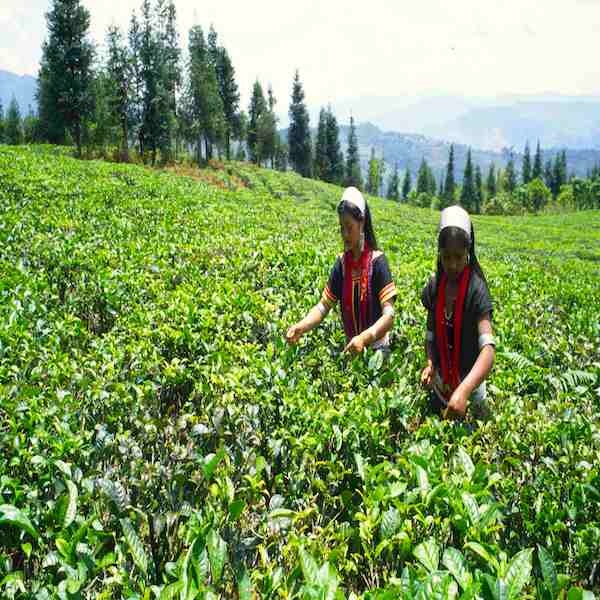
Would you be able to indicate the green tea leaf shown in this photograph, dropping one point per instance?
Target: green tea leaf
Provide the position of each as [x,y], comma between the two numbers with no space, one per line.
[11,515]
[245,587]
[389,523]
[423,480]
[518,573]
[472,507]
[72,503]
[428,554]
[135,546]
[217,554]
[548,571]
[466,462]
[309,566]
[455,562]
[211,462]
[236,508]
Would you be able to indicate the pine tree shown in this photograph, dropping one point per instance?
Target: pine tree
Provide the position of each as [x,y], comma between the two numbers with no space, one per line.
[423,180]
[511,176]
[31,127]
[491,182]
[65,78]
[563,168]
[136,107]
[230,97]
[203,107]
[559,173]
[537,164]
[478,190]
[467,193]
[549,175]
[406,185]
[373,180]
[526,172]
[321,167]
[100,129]
[258,106]
[537,172]
[14,129]
[170,75]
[335,158]
[119,68]
[267,131]
[393,191]
[353,172]
[299,141]
[449,184]
[1,123]
[432,184]
[281,156]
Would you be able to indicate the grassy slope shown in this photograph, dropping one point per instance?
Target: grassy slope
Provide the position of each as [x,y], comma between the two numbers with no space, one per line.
[139,305]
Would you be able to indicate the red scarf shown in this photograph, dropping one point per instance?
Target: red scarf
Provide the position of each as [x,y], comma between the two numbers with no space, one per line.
[450,368]
[364,264]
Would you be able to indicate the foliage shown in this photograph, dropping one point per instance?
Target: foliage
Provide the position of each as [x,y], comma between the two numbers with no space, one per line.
[300,153]
[158,438]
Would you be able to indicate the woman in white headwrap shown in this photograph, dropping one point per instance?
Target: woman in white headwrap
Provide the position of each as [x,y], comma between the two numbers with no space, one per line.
[360,280]
[459,343]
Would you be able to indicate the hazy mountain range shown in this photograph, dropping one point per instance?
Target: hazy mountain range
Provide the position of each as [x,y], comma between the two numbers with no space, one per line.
[406,129]
[22,87]
[407,151]
[486,123]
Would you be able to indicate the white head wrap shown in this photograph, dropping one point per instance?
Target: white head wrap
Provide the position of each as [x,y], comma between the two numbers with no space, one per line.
[353,196]
[456,216]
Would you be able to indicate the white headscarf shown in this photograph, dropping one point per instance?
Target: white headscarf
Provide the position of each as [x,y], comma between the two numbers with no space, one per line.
[353,196]
[456,216]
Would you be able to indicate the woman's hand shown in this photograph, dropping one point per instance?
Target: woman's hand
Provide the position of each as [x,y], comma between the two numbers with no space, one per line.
[457,406]
[294,333]
[356,344]
[427,375]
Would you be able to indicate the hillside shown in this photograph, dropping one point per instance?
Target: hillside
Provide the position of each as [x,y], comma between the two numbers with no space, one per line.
[159,439]
[22,87]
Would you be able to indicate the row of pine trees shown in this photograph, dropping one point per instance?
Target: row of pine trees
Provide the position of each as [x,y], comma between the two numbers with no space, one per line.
[146,97]
[532,189]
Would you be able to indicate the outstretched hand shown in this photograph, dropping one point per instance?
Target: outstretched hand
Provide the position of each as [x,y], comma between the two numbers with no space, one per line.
[457,406]
[356,345]
[294,333]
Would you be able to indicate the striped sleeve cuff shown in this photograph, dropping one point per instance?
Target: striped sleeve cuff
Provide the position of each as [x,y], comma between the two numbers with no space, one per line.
[388,292]
[328,299]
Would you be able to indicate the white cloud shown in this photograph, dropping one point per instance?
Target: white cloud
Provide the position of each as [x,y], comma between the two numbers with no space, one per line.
[348,48]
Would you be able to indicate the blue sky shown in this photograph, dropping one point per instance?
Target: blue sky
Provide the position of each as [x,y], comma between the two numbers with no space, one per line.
[384,48]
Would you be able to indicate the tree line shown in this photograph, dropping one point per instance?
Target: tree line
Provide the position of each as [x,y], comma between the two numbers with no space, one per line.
[538,185]
[142,95]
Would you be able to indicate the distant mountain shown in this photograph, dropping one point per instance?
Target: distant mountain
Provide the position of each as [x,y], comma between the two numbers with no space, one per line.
[572,124]
[22,87]
[408,149]
[486,123]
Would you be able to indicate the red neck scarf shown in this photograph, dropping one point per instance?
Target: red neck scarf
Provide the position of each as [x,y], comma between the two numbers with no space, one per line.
[364,264]
[450,368]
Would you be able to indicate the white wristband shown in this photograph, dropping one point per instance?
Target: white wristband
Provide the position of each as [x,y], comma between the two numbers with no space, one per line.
[322,309]
[388,309]
[486,339]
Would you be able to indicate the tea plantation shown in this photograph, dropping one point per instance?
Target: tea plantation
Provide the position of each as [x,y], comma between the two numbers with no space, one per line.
[159,439]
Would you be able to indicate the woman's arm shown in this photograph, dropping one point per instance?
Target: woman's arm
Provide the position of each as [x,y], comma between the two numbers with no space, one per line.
[480,370]
[376,331]
[314,316]
[427,374]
